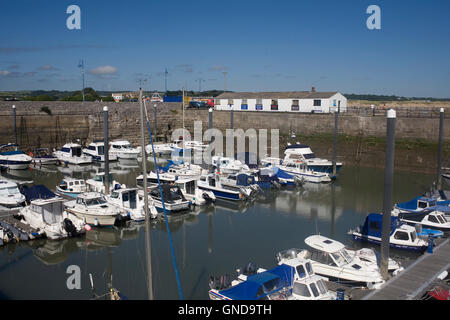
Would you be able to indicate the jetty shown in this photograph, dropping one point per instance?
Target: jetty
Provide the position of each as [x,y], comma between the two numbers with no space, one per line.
[413,282]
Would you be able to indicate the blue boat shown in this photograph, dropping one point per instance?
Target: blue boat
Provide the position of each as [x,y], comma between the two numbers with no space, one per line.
[211,182]
[13,158]
[402,236]
[274,284]
[429,218]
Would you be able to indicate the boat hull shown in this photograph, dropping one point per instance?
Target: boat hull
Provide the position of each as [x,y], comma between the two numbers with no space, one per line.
[374,240]
[224,194]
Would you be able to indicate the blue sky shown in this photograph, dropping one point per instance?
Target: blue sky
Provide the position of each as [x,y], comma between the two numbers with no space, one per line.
[262,45]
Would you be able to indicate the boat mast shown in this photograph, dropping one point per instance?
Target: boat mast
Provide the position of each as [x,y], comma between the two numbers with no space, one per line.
[182,144]
[147,218]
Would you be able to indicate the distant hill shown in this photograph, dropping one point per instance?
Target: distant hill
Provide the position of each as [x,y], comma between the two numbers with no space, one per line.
[93,95]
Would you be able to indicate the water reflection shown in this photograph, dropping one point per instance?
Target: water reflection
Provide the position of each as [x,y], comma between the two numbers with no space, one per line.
[210,240]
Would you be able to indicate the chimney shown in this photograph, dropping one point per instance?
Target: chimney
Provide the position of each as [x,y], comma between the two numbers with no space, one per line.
[313,89]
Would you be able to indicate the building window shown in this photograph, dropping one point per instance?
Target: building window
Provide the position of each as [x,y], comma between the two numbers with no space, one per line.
[274,104]
[259,105]
[295,106]
[244,104]
[317,103]
[217,103]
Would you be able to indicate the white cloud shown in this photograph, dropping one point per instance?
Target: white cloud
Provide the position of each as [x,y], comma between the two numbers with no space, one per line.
[4,72]
[47,67]
[104,70]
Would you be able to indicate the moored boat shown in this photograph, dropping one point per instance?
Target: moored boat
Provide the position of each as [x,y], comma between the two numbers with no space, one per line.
[13,158]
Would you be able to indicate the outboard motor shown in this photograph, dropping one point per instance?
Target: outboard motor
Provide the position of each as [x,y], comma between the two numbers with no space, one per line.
[69,227]
[249,269]
[207,197]
[220,283]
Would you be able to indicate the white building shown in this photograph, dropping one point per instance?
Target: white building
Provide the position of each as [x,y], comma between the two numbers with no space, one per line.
[298,101]
[117,96]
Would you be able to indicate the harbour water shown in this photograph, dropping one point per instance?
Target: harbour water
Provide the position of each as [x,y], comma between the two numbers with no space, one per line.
[213,240]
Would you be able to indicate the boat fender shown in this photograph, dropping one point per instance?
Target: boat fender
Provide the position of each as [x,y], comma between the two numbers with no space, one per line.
[191,207]
[96,222]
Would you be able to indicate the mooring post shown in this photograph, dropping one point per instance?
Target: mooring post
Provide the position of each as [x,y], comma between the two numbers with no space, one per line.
[231,117]
[15,128]
[439,164]
[388,188]
[106,148]
[210,122]
[154,114]
[336,115]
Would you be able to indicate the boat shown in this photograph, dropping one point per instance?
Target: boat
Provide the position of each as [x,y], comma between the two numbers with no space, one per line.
[152,179]
[46,212]
[193,193]
[179,148]
[211,182]
[307,284]
[96,150]
[241,181]
[330,259]
[71,187]
[93,209]
[437,203]
[130,204]
[174,200]
[370,256]
[185,170]
[97,184]
[42,157]
[301,170]
[196,145]
[10,196]
[72,153]
[122,149]
[228,165]
[160,149]
[304,153]
[401,235]
[273,284]
[428,218]
[13,158]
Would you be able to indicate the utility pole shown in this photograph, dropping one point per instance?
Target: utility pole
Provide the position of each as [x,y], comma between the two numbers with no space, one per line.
[224,81]
[81,65]
[165,81]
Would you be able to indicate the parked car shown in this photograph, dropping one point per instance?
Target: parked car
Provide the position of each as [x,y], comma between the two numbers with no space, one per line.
[198,104]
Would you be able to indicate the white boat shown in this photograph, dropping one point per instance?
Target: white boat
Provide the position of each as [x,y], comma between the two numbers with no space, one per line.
[211,182]
[228,165]
[122,149]
[193,193]
[131,204]
[48,215]
[72,153]
[93,209]
[241,181]
[369,256]
[42,157]
[174,200]
[301,170]
[160,148]
[97,184]
[401,235]
[185,170]
[330,259]
[152,179]
[196,145]
[10,196]
[303,152]
[96,150]
[13,158]
[71,187]
[307,285]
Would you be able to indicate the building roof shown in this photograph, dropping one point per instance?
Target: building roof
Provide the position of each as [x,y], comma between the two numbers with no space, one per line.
[277,95]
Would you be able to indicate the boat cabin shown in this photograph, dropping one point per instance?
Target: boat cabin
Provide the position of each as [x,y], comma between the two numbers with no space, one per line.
[417,204]
[50,209]
[127,197]
[91,199]
[188,186]
[327,251]
[97,148]
[399,231]
[72,185]
[72,149]
[171,193]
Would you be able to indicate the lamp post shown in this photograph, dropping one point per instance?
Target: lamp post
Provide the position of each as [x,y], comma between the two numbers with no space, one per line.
[154,114]
[15,128]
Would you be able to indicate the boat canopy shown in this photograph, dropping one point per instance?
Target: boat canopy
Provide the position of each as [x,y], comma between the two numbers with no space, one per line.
[170,193]
[297,146]
[37,192]
[283,174]
[373,225]
[417,203]
[243,179]
[260,285]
